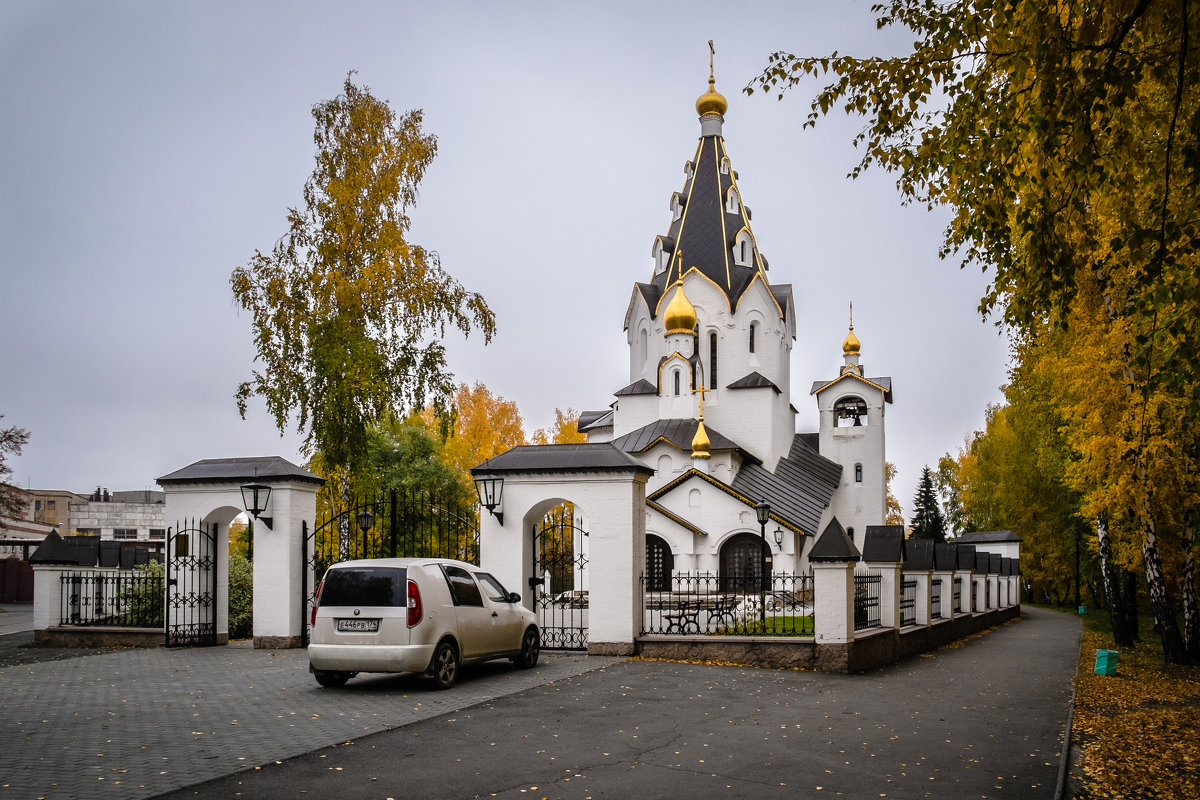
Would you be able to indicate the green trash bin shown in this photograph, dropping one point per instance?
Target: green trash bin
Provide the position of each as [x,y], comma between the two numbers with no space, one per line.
[1106,662]
[1083,609]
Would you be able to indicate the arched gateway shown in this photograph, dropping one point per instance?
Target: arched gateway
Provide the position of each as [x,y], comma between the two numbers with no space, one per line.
[601,484]
[203,499]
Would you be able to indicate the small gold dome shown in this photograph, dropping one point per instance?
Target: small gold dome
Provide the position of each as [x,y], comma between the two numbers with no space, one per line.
[851,344]
[700,443]
[712,101]
[681,314]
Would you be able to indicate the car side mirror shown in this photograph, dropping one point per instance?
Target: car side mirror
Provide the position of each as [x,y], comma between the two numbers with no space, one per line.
[513,597]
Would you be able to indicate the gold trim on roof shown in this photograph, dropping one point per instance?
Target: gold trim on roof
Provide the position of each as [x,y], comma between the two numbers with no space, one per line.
[724,487]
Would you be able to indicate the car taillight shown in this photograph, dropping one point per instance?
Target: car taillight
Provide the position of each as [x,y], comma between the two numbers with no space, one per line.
[414,604]
[312,620]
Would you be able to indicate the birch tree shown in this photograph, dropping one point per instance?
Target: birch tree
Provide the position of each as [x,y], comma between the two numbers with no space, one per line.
[348,314]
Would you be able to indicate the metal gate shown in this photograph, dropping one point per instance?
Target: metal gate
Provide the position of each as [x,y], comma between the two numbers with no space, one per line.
[191,572]
[394,524]
[560,557]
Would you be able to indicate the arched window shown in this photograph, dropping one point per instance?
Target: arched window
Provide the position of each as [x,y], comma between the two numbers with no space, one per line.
[659,564]
[742,564]
[743,249]
[732,201]
[694,498]
[753,334]
[858,473]
[712,360]
[676,374]
[664,465]
[850,412]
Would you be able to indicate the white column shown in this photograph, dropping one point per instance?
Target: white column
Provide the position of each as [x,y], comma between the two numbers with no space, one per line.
[279,565]
[47,595]
[924,592]
[889,592]
[947,593]
[833,602]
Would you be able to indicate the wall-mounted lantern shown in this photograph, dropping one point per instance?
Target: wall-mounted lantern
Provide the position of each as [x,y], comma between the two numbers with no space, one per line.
[254,498]
[491,492]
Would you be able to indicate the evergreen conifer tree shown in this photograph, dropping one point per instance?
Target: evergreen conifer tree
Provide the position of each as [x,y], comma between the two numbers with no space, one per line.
[927,521]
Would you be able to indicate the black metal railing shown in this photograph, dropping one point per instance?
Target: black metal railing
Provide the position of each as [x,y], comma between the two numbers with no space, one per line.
[867,588]
[975,596]
[958,582]
[710,604]
[908,602]
[111,600]
[935,599]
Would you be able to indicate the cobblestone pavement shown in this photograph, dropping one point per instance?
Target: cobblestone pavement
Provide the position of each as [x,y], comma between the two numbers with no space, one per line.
[133,723]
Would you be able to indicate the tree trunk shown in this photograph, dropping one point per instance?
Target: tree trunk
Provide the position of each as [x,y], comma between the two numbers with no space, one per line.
[1187,580]
[1112,586]
[1160,600]
[344,520]
[1129,606]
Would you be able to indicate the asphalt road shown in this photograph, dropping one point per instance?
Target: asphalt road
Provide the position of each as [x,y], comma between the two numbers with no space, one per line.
[982,719]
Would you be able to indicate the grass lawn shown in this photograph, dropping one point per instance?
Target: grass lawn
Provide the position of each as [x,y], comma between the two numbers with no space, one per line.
[776,626]
[1137,733]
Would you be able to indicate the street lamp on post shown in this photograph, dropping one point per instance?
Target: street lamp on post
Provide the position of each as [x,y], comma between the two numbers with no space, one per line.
[763,511]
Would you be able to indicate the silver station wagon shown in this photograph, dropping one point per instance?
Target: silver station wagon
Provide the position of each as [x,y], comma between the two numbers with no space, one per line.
[426,615]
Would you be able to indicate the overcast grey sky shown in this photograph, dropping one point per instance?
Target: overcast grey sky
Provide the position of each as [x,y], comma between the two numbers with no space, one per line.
[147,149]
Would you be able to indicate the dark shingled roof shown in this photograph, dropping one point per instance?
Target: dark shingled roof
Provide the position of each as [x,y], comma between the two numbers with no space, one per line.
[995,562]
[987,537]
[884,543]
[800,488]
[754,380]
[966,556]
[678,432]
[833,545]
[944,556]
[53,550]
[983,561]
[705,233]
[919,554]
[599,457]
[640,386]
[267,469]
[589,420]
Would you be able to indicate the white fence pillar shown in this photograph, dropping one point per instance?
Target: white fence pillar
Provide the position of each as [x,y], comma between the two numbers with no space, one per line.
[889,591]
[833,602]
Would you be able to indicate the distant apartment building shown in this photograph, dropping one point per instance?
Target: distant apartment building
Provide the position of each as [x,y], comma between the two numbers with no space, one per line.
[120,516]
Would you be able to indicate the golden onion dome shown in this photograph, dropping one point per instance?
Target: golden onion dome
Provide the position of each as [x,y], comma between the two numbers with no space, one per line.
[851,345]
[712,101]
[681,314]
[700,443]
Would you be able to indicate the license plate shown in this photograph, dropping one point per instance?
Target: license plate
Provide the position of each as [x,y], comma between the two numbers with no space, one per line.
[358,625]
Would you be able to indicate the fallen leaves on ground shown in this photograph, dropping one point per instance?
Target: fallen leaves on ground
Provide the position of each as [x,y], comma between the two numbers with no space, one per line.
[1137,731]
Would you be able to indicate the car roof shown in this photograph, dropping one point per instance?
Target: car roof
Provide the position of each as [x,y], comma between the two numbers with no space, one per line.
[402,562]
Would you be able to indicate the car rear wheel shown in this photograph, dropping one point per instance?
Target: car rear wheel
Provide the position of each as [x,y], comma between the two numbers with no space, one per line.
[531,648]
[445,666]
[331,680]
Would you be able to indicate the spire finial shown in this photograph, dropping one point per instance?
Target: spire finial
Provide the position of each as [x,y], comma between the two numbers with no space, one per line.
[851,345]
[851,315]
[712,102]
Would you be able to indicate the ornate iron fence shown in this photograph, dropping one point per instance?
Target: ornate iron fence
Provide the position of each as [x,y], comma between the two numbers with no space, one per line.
[958,582]
[908,602]
[867,588]
[707,603]
[123,600]
[935,599]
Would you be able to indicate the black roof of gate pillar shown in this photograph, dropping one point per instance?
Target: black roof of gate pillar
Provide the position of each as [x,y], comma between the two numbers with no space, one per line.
[983,561]
[919,556]
[966,556]
[833,545]
[54,550]
[884,543]
[265,469]
[994,563]
[944,556]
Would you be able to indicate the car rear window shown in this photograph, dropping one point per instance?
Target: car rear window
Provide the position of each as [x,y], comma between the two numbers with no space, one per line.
[364,586]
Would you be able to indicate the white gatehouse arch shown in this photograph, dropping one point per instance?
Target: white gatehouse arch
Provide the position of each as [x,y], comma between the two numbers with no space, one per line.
[609,487]
[207,496]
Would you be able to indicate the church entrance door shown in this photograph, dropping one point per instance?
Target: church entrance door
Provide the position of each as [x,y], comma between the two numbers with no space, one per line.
[742,564]
[560,559]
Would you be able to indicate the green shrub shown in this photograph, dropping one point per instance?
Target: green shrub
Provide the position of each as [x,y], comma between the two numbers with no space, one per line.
[141,604]
[241,597]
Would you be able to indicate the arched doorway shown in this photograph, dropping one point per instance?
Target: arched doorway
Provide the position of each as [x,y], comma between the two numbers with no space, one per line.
[560,559]
[660,563]
[741,564]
